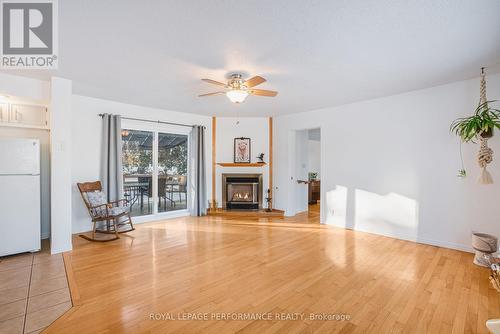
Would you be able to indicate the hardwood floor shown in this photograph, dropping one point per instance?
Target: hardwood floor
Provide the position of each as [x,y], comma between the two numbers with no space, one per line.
[313,213]
[186,266]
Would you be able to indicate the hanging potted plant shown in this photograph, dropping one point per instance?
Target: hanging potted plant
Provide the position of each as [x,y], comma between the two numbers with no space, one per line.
[479,126]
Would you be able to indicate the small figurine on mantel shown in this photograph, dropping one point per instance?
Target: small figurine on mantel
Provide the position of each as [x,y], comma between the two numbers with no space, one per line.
[269,201]
[261,158]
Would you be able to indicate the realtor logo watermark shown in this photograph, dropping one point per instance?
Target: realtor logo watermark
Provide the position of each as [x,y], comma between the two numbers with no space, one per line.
[29,34]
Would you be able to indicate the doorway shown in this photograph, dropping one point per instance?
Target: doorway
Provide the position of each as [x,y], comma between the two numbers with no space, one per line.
[308,173]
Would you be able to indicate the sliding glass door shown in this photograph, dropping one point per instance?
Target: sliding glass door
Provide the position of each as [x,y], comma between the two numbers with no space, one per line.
[172,171]
[155,168]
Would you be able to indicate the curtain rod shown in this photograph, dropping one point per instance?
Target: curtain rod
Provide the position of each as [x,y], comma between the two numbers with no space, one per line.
[153,121]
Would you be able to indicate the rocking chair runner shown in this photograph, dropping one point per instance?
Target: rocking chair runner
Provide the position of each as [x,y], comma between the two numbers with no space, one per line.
[100,210]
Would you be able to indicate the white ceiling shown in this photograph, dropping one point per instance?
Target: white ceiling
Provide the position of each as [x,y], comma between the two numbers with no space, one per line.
[315,53]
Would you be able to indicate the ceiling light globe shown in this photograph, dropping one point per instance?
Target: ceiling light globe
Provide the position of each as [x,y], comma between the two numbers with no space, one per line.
[237,95]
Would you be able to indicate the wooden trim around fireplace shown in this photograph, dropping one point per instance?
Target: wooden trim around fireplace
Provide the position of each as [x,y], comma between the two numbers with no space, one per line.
[214,167]
[271,157]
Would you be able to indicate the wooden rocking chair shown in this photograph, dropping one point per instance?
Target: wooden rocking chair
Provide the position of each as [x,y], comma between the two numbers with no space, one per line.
[117,212]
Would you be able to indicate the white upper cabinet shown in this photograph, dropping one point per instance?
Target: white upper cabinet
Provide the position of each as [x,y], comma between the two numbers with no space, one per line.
[24,115]
[4,112]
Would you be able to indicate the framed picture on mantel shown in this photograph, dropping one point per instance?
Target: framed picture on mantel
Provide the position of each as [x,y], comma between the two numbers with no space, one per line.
[242,150]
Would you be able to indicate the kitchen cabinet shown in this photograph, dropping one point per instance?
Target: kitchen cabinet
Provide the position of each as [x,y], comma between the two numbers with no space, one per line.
[4,112]
[24,115]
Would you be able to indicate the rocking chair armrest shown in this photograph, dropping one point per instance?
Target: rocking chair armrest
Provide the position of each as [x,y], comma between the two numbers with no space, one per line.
[124,202]
[99,206]
[94,210]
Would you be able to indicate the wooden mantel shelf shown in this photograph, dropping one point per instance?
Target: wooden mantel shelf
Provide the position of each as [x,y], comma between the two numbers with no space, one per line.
[236,164]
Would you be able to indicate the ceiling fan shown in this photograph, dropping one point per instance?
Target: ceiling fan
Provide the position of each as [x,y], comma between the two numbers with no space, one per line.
[237,89]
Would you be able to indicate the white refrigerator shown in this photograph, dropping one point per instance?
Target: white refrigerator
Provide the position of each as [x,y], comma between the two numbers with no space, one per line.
[19,195]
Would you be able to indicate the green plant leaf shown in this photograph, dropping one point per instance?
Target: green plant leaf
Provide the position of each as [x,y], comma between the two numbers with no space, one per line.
[484,119]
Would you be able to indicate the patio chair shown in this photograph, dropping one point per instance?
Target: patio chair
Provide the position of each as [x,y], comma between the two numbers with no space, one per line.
[180,187]
[146,191]
[162,192]
[117,212]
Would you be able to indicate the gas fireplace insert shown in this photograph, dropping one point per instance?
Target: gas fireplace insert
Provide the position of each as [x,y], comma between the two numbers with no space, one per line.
[242,191]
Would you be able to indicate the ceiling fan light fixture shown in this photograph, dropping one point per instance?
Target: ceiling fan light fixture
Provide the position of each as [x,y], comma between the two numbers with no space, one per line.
[237,95]
[237,89]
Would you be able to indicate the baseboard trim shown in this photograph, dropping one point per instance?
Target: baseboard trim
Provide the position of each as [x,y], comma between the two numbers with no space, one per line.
[420,240]
[445,244]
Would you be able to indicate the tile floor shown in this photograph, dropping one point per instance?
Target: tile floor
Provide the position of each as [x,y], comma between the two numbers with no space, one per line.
[33,291]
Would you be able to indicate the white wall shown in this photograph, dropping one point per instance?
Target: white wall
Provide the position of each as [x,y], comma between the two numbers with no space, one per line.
[25,88]
[389,166]
[60,167]
[228,128]
[86,143]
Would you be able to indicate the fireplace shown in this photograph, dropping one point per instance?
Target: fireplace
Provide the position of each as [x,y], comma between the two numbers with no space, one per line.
[242,191]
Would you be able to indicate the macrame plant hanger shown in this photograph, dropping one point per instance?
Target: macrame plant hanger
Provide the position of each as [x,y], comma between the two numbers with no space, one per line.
[485,155]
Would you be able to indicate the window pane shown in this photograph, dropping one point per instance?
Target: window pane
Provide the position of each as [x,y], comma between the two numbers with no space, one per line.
[172,171]
[137,159]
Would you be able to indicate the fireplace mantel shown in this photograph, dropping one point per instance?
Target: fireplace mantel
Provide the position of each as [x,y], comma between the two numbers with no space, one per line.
[243,164]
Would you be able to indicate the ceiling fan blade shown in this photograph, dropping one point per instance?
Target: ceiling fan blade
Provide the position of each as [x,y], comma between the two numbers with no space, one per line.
[263,92]
[214,82]
[214,93]
[252,82]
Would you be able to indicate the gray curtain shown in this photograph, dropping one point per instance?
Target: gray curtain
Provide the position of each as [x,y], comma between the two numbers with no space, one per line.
[111,160]
[199,182]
